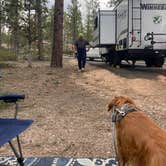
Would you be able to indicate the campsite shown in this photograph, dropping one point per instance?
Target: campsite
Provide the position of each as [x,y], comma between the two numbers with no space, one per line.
[81,85]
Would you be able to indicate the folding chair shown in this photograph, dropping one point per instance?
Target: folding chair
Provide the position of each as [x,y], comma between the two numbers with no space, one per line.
[11,128]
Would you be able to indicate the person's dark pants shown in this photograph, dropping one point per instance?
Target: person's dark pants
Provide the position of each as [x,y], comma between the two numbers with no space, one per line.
[81,57]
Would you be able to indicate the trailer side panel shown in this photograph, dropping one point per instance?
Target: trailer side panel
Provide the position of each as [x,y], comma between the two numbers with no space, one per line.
[104,33]
[122,25]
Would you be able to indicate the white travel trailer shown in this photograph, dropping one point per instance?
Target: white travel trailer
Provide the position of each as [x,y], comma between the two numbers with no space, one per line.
[133,30]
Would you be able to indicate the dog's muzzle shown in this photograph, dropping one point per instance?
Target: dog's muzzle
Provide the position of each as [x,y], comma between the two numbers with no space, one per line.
[120,113]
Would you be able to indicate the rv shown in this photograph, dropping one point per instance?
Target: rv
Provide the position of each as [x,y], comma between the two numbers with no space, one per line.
[134,30]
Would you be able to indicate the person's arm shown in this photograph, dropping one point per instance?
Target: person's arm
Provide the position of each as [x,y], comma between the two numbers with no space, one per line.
[89,46]
[75,49]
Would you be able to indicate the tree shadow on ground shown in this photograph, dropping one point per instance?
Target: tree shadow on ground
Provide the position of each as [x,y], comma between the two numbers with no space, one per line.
[127,71]
[4,65]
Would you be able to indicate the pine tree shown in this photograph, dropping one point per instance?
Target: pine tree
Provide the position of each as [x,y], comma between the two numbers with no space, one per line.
[57,48]
[49,23]
[41,12]
[92,7]
[112,3]
[13,15]
[75,19]
[29,23]
[67,31]
[1,18]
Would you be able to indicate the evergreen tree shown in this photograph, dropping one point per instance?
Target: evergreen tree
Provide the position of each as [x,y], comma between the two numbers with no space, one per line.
[67,32]
[48,25]
[75,19]
[57,46]
[112,3]
[13,11]
[92,7]
[29,27]
[1,21]
[41,13]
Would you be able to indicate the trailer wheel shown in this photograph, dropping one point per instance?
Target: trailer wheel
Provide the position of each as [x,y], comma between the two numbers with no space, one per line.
[104,58]
[148,62]
[116,60]
[91,59]
[158,62]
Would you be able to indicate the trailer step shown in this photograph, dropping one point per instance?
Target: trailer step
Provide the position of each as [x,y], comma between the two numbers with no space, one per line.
[136,30]
[137,18]
[136,7]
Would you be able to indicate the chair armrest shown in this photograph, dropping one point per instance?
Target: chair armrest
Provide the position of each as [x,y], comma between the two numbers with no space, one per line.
[12,98]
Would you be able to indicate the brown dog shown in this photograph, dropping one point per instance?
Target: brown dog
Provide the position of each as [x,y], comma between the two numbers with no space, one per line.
[140,142]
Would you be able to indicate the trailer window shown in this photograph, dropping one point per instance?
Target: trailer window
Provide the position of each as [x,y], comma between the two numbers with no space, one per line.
[96,23]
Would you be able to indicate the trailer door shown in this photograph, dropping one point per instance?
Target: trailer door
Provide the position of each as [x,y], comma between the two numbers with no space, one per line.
[122,25]
[107,27]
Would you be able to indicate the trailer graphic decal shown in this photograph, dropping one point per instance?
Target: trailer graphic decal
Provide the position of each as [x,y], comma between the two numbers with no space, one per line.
[153,6]
[157,19]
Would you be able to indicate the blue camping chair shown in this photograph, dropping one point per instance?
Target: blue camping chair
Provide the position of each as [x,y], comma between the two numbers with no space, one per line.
[11,128]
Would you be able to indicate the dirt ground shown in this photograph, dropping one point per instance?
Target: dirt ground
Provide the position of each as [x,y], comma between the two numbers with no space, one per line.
[69,108]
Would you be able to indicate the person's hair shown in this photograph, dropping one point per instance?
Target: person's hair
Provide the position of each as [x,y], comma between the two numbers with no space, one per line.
[81,35]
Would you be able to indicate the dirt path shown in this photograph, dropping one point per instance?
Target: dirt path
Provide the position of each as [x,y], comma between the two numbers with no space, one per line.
[69,108]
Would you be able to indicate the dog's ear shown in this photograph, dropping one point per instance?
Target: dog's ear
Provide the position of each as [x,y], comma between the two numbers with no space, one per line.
[112,103]
[130,101]
[110,106]
[119,101]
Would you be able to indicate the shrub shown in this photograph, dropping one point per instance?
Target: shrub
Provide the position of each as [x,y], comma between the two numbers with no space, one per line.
[6,55]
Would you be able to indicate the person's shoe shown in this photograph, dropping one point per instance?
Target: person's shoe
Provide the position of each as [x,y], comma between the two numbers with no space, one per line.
[79,70]
[118,67]
[83,69]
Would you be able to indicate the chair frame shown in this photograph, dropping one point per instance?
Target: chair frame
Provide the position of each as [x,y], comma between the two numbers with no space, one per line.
[14,98]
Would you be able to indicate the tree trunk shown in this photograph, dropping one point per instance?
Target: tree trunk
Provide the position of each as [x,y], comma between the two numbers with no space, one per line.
[16,29]
[75,30]
[57,48]
[29,37]
[0,25]
[39,29]
[74,27]
[0,33]
[16,39]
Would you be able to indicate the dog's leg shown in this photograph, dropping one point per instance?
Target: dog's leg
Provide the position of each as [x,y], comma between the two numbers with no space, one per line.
[122,162]
[156,160]
[120,156]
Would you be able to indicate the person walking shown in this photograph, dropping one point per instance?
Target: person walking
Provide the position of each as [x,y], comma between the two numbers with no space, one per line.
[80,48]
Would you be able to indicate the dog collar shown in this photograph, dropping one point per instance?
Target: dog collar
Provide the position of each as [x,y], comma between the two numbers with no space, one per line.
[120,113]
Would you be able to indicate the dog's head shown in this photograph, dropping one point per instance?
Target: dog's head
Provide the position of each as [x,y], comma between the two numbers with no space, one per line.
[119,101]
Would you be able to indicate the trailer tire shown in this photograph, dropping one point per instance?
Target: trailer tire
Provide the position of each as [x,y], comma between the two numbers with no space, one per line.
[103,58]
[148,62]
[158,62]
[91,59]
[116,60]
